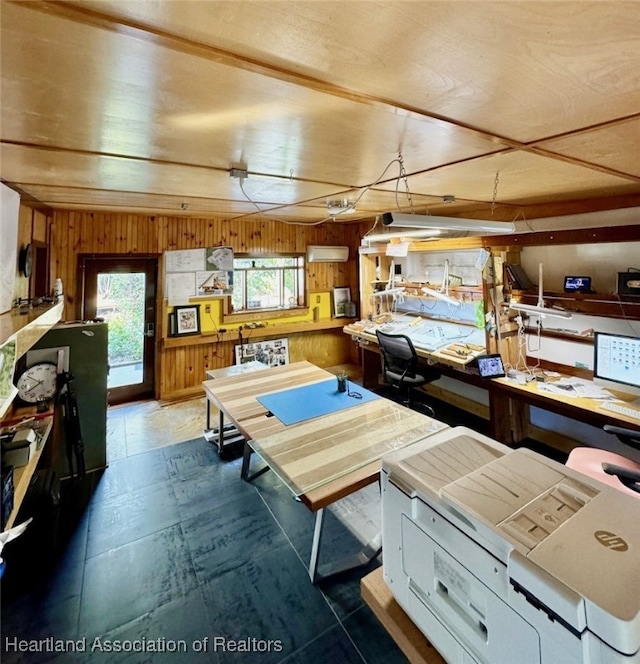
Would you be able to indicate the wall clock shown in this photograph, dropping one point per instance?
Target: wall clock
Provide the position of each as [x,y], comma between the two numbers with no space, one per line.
[25,260]
[38,383]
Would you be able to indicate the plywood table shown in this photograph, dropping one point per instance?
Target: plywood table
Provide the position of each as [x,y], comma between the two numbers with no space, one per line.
[322,459]
[510,402]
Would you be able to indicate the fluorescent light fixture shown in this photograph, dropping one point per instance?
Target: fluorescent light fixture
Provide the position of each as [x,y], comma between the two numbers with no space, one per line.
[540,308]
[400,235]
[446,223]
[441,296]
[387,291]
[540,311]
[443,293]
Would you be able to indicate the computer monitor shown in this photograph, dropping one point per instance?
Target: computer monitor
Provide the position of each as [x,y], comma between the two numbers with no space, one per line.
[617,362]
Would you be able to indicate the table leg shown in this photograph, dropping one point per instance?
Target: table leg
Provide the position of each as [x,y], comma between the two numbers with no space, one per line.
[246,462]
[371,550]
[315,546]
[220,431]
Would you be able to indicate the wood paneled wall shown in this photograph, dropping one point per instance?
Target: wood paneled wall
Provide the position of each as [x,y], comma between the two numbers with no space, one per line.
[74,233]
[182,369]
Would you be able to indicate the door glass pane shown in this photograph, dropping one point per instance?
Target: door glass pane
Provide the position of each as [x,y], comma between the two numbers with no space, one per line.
[121,304]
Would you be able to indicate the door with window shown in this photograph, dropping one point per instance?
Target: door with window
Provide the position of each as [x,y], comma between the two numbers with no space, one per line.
[122,291]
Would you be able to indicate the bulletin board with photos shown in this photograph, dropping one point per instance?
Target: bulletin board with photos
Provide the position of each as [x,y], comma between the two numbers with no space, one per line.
[273,353]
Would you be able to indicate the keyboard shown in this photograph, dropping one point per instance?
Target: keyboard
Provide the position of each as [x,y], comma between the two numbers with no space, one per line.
[621,409]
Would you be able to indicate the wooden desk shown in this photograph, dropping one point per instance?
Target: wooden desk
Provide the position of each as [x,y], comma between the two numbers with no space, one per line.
[509,404]
[413,643]
[323,459]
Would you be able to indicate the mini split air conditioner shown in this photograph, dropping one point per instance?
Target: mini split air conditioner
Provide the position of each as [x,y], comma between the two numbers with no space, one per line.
[326,254]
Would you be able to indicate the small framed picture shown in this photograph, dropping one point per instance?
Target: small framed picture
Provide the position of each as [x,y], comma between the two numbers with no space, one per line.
[187,320]
[341,295]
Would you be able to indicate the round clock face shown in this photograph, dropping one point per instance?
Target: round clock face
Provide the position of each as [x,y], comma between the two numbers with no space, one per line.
[38,383]
[26,260]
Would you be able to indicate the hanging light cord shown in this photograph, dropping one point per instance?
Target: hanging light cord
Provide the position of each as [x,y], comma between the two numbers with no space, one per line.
[398,160]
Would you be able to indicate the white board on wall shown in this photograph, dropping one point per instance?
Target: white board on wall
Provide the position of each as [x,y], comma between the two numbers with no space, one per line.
[9,211]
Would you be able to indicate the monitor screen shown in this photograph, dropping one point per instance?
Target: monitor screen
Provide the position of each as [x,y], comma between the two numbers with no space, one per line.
[577,284]
[490,366]
[617,362]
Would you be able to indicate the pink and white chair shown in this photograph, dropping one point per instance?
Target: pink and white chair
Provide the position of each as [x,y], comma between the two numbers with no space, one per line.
[614,469]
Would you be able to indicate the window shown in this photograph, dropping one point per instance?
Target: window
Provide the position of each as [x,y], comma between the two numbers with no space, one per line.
[268,282]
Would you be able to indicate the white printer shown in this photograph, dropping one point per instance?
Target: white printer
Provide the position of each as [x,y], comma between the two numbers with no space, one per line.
[503,556]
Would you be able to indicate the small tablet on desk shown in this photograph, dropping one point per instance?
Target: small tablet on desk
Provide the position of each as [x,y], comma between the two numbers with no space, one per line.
[490,366]
[577,284]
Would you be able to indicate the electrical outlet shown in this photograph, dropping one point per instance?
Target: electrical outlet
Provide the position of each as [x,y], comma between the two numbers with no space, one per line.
[207,308]
[317,299]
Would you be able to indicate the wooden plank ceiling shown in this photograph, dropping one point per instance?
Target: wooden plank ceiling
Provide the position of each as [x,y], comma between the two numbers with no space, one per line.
[146,106]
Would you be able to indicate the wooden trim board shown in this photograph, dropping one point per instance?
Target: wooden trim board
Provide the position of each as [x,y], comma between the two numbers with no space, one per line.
[378,596]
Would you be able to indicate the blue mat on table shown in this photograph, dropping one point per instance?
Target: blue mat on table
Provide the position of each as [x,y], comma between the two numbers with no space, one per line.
[304,403]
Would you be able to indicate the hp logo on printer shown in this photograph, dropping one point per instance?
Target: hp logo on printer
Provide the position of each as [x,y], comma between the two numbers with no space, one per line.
[611,540]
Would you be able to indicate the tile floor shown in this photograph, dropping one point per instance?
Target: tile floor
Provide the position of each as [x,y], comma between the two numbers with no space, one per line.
[173,548]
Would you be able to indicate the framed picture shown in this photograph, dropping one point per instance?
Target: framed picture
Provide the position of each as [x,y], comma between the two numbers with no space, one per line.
[341,295]
[187,320]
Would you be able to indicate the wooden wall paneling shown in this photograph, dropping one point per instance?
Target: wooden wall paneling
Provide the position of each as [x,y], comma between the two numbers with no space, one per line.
[119,245]
[189,371]
[181,226]
[203,233]
[162,226]
[324,349]
[175,228]
[100,232]
[25,225]
[143,238]
[40,226]
[177,370]
[169,239]
[131,235]
[183,368]
[113,226]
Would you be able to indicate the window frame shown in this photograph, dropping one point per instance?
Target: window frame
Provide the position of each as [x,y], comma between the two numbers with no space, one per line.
[232,315]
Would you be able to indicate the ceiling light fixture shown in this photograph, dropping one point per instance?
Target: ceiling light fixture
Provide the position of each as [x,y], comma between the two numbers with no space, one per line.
[425,233]
[440,296]
[540,309]
[446,223]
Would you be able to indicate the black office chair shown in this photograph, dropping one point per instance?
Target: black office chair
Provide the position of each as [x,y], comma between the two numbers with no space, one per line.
[399,367]
[608,467]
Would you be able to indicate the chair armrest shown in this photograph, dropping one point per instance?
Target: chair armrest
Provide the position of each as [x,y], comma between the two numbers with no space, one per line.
[630,478]
[627,436]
